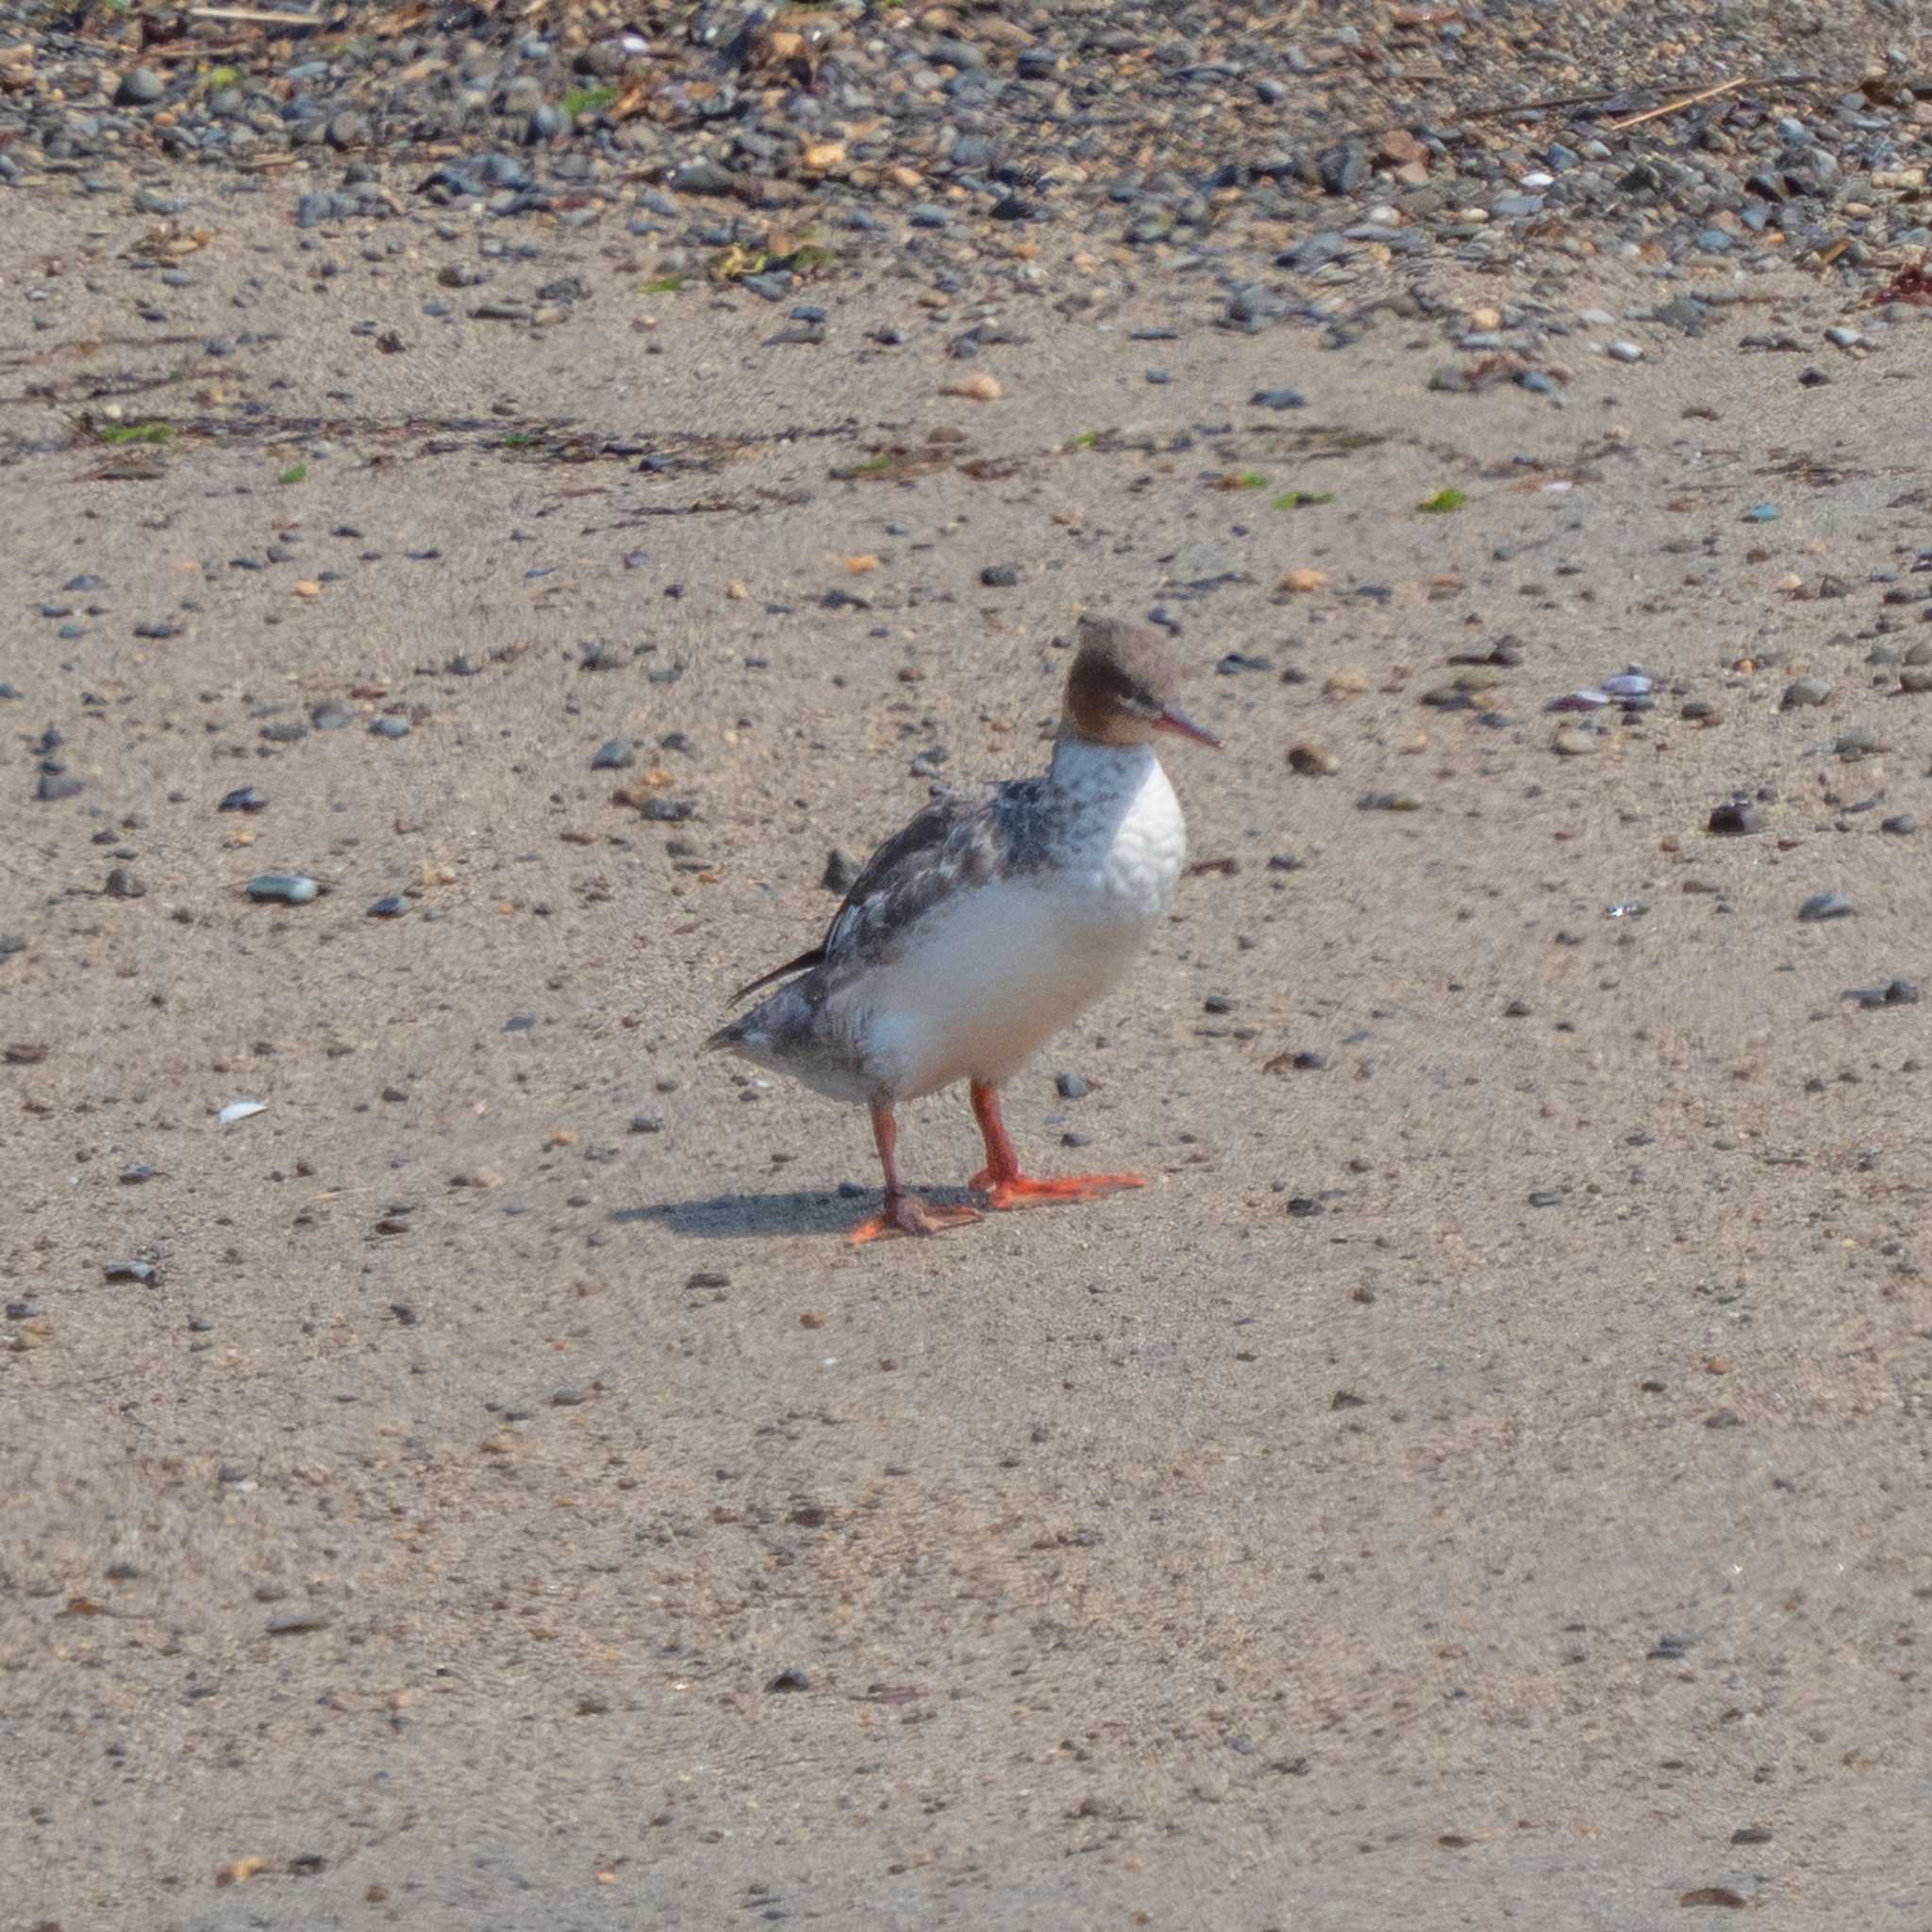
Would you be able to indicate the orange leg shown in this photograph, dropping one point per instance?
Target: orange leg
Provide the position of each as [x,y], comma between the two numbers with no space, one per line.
[902,1213]
[1003,1184]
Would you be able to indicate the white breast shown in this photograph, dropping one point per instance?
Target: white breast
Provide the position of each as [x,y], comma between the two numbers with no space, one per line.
[990,977]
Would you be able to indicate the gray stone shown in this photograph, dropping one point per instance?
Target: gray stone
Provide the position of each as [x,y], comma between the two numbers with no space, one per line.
[1316,251]
[281,888]
[1823,906]
[703,178]
[1343,169]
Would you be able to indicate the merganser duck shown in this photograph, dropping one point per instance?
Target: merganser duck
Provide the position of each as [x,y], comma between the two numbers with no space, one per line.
[988,924]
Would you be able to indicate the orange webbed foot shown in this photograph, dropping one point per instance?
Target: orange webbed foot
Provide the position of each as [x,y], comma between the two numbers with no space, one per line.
[1023,1190]
[907,1214]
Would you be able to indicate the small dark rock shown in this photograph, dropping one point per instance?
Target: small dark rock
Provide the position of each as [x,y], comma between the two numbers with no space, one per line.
[141,87]
[1822,906]
[1737,820]
[288,888]
[1343,169]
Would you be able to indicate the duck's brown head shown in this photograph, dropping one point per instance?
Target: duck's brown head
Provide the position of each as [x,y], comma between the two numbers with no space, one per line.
[1122,686]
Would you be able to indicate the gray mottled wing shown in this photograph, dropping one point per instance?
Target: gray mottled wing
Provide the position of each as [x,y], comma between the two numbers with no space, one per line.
[958,842]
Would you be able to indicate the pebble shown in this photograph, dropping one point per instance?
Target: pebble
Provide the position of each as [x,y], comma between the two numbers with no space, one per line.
[141,87]
[297,1623]
[243,798]
[1823,906]
[614,754]
[1897,992]
[288,888]
[1736,821]
[389,727]
[391,906]
[1343,168]
[1802,691]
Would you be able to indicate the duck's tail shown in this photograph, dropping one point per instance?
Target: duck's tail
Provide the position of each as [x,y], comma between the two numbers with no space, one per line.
[803,963]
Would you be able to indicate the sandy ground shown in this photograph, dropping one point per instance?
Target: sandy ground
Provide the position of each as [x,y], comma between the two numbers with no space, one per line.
[511,1505]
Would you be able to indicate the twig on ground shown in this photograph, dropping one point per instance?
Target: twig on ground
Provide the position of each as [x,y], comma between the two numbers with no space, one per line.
[254,17]
[1709,93]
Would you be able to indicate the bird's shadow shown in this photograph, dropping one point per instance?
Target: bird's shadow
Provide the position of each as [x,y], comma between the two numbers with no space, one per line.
[800,1211]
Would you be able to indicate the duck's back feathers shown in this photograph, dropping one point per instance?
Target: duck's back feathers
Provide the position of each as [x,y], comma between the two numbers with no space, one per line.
[961,840]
